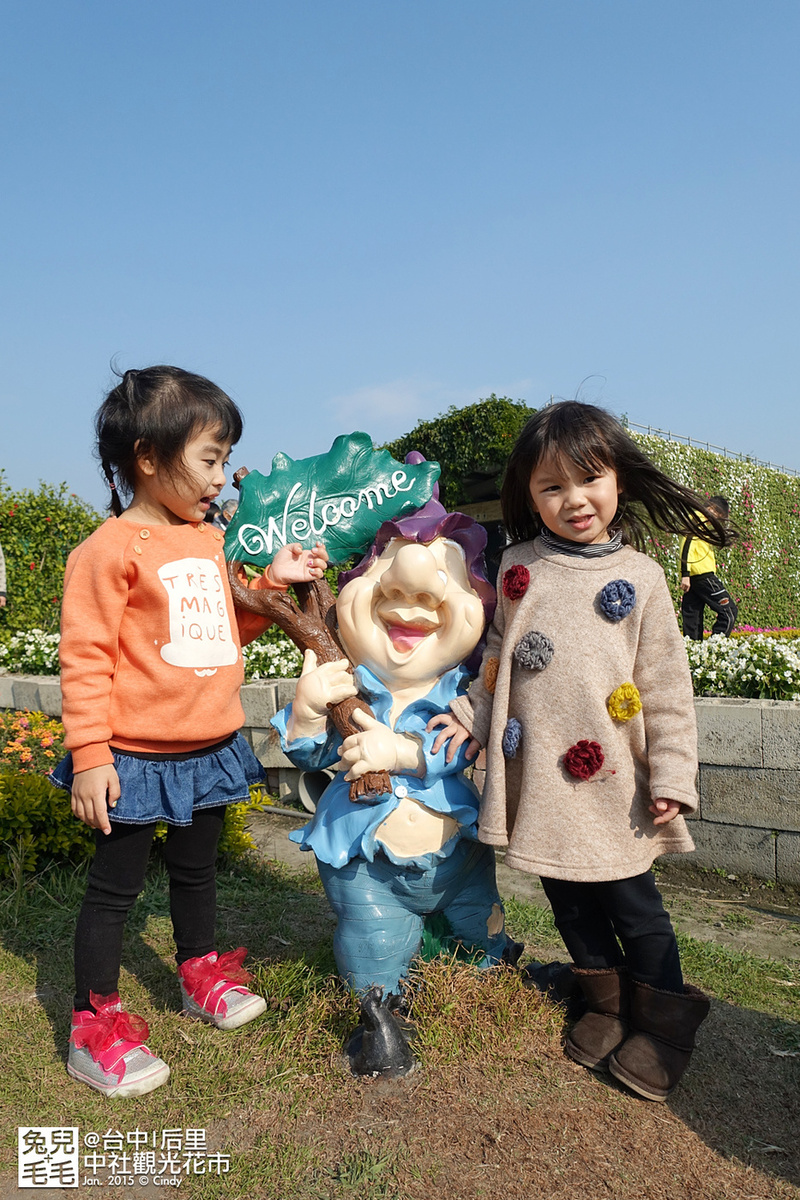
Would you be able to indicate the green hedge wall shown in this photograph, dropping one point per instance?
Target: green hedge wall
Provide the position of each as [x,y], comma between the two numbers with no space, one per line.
[762,567]
[38,529]
[466,441]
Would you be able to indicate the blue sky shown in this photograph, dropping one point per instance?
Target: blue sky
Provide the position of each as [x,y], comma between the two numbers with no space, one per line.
[352,214]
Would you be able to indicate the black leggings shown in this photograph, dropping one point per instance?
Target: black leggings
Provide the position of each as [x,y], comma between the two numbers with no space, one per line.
[618,923]
[116,877]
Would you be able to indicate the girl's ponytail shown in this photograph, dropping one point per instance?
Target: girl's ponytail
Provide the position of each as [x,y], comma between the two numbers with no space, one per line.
[115,502]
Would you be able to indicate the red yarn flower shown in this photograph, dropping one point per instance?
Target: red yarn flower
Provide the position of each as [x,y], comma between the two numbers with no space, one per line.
[515,581]
[584,759]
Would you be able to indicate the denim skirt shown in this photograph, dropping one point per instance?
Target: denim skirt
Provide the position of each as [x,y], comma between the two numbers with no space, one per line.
[171,787]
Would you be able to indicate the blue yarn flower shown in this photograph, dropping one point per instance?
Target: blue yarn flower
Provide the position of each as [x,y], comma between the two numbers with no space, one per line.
[534,650]
[512,738]
[617,599]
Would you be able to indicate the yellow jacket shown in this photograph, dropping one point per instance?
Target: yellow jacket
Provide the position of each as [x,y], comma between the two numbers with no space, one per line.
[697,556]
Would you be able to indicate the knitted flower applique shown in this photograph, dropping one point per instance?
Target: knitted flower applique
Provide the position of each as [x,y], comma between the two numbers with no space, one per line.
[584,759]
[512,737]
[617,599]
[490,674]
[515,581]
[624,702]
[534,650]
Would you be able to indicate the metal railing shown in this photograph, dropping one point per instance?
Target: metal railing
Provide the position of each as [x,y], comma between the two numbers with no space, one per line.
[688,441]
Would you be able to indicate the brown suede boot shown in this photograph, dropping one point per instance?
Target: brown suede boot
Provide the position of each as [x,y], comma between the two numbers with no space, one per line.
[605,1026]
[663,1024]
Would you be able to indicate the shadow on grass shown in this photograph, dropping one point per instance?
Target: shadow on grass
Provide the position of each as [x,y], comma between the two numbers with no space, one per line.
[741,1094]
[278,915]
[738,1104]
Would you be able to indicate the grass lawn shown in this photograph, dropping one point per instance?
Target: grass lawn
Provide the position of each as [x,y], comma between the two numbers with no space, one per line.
[494,1109]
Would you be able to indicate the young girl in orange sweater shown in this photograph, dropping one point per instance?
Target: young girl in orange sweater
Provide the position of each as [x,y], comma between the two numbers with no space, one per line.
[151,668]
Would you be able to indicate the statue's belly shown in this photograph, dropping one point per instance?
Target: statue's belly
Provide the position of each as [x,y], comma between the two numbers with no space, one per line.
[412,829]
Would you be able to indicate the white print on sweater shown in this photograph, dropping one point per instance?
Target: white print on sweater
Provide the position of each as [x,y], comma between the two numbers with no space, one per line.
[199,625]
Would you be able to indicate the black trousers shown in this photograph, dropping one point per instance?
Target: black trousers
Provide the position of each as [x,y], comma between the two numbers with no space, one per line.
[707,591]
[116,877]
[618,923]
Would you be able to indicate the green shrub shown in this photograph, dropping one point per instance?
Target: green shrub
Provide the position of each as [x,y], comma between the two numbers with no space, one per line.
[466,441]
[37,532]
[36,823]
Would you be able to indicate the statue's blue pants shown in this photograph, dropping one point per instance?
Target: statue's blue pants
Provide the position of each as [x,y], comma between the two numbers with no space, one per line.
[381,909]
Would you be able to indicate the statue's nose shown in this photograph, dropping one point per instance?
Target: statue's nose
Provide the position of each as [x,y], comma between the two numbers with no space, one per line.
[414,577]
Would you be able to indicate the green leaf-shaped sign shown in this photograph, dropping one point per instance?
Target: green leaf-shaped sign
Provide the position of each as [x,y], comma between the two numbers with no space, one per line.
[340,499]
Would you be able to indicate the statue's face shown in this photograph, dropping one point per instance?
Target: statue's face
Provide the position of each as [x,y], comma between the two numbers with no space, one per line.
[413,614]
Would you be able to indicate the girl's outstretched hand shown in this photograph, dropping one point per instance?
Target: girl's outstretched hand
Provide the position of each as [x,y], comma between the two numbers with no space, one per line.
[456,732]
[93,793]
[665,811]
[294,564]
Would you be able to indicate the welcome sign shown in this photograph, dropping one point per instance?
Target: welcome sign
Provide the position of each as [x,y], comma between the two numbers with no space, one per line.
[340,499]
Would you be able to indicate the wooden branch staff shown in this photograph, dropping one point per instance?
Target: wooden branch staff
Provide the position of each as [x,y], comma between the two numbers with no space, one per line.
[310,621]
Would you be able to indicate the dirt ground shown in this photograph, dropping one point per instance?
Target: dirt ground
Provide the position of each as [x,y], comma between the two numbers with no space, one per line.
[738,911]
[539,1127]
[517,1120]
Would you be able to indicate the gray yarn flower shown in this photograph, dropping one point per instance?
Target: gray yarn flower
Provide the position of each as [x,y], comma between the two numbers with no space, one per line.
[512,738]
[534,651]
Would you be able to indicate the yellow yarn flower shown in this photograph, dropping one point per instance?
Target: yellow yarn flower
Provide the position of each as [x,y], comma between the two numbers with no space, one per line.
[624,703]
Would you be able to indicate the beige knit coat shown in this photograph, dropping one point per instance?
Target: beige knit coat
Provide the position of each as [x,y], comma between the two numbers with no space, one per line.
[554,824]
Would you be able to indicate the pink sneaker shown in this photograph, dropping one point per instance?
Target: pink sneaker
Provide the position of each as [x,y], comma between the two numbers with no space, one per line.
[212,989]
[107,1051]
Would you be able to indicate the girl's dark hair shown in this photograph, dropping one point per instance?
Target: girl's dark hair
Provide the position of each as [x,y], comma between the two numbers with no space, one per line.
[156,411]
[592,438]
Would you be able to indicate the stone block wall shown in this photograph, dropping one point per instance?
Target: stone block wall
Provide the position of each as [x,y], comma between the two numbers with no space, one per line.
[749,816]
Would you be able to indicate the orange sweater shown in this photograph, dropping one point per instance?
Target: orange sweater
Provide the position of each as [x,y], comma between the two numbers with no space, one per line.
[150,658]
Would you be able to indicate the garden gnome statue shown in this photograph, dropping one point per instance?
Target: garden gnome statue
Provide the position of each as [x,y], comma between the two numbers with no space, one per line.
[410,618]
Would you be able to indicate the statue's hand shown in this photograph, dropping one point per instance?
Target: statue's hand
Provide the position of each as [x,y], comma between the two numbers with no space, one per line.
[378,748]
[317,687]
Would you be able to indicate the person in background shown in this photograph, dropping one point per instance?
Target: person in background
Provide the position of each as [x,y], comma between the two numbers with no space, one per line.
[213,512]
[223,518]
[700,584]
[2,579]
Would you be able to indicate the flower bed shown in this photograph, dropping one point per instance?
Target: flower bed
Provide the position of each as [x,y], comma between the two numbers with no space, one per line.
[273,656]
[759,664]
[753,666]
[31,653]
[30,742]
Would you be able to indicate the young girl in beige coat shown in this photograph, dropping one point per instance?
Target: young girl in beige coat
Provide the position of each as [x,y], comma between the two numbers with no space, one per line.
[584,702]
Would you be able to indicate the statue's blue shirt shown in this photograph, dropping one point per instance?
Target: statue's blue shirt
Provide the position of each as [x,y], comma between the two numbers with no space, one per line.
[342,828]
